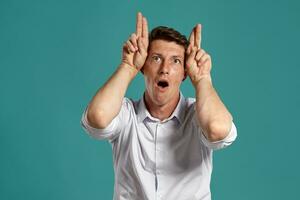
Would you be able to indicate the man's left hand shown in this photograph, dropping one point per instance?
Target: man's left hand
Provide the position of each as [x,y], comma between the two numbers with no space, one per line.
[198,62]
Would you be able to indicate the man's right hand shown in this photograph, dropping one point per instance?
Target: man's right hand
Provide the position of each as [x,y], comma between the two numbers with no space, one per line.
[136,47]
[107,102]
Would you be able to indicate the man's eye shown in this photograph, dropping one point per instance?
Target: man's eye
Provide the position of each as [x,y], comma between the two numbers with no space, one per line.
[177,61]
[156,58]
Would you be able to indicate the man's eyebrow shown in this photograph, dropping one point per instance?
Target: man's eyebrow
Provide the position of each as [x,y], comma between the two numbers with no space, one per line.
[156,54]
[174,56]
[177,56]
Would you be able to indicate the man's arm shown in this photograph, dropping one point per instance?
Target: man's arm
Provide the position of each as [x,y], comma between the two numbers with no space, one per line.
[213,117]
[106,104]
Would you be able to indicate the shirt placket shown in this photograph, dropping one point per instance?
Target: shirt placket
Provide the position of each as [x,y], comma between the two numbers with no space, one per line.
[158,129]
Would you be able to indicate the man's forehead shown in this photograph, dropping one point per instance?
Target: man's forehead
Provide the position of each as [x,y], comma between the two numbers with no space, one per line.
[163,47]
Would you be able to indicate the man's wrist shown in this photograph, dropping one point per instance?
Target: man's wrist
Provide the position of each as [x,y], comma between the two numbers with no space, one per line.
[203,80]
[130,69]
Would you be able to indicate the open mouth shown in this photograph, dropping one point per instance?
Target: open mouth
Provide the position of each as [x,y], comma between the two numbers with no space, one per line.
[163,84]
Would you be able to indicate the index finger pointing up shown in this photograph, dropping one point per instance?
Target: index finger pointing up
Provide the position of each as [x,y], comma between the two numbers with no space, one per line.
[139,24]
[192,37]
[145,28]
[197,34]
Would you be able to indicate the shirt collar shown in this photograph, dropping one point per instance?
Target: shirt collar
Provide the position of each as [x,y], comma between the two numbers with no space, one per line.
[178,113]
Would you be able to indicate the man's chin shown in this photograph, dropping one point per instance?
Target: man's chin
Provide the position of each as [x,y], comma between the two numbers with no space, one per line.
[161,99]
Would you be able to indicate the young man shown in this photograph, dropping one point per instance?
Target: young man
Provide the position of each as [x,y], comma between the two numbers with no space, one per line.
[163,143]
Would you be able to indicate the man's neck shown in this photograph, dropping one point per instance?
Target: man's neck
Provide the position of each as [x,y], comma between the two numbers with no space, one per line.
[160,112]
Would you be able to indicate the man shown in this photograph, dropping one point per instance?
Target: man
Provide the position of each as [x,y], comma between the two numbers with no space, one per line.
[163,143]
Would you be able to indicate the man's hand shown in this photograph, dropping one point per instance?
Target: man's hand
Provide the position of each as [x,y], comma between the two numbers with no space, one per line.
[213,117]
[198,62]
[135,48]
[107,102]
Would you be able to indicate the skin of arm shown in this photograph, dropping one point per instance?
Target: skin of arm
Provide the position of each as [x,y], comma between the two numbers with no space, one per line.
[211,112]
[213,117]
[107,102]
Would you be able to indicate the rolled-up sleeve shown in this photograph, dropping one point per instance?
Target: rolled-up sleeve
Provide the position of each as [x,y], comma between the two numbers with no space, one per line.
[228,140]
[112,130]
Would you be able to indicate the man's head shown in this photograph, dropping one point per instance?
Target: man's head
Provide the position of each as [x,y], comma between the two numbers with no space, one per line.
[168,34]
[164,66]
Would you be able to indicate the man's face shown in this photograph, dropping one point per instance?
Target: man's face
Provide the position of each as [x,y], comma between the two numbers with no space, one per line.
[164,71]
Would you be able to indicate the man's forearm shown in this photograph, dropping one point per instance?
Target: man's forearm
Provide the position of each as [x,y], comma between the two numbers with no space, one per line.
[106,104]
[213,116]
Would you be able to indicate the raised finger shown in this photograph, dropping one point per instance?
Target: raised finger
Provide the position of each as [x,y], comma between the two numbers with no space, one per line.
[141,45]
[189,49]
[145,29]
[192,38]
[139,24]
[191,57]
[197,32]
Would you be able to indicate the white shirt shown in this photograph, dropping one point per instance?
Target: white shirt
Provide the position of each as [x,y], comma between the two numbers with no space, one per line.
[158,160]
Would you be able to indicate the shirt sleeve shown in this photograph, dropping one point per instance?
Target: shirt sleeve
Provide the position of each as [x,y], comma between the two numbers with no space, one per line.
[228,140]
[114,128]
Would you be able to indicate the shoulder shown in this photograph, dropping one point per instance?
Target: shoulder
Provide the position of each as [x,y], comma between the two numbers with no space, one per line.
[189,101]
[189,104]
[130,104]
[190,108]
[127,101]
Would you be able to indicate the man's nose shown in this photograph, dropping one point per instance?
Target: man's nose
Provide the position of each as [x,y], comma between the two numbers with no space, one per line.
[164,68]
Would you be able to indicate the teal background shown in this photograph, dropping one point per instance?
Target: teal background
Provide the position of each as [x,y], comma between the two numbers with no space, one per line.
[54,55]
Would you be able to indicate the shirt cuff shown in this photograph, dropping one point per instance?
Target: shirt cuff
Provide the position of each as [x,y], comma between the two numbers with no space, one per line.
[228,140]
[97,133]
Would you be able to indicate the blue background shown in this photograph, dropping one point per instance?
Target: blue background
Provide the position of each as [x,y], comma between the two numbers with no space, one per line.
[54,55]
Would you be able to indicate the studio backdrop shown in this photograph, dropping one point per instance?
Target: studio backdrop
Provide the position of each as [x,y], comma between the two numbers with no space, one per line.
[54,56]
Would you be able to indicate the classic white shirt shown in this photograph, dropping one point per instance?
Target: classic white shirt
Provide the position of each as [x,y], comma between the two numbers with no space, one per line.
[159,160]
